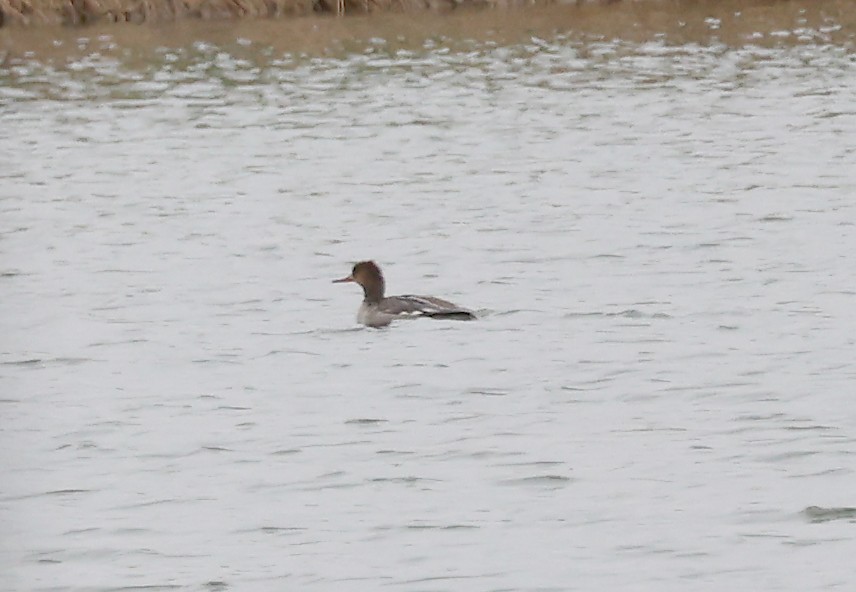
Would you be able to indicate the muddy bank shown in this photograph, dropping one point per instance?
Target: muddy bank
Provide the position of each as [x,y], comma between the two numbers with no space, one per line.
[29,13]
[77,12]
[184,22]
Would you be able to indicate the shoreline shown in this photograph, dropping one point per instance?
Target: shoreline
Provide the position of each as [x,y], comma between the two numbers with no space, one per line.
[26,14]
[731,23]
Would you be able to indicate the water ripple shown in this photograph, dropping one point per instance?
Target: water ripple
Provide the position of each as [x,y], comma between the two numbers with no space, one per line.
[657,234]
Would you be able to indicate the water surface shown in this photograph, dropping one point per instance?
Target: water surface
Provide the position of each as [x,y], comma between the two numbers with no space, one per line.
[658,237]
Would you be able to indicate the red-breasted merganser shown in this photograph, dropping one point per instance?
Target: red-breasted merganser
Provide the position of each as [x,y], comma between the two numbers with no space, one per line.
[379,311]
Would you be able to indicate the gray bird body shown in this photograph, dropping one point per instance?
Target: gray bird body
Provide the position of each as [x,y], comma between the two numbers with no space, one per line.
[378,310]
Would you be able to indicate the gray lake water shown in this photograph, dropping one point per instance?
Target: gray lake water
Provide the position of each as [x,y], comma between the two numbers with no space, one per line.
[659,240]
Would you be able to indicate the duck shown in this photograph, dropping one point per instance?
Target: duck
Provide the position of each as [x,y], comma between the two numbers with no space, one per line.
[378,310]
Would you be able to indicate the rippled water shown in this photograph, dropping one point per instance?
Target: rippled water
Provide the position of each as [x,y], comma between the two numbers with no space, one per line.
[659,239]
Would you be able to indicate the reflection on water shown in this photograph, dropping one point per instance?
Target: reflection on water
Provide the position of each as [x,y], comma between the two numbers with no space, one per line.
[658,235]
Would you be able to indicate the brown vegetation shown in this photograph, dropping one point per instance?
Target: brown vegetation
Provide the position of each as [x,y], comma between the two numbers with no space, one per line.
[76,12]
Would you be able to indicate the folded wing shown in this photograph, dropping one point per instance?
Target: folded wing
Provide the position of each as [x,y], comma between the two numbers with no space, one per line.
[427,306]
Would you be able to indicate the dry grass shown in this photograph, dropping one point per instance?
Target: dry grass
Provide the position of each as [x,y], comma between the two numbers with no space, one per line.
[77,12]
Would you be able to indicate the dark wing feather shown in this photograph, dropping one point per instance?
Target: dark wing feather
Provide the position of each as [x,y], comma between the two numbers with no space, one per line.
[455,315]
